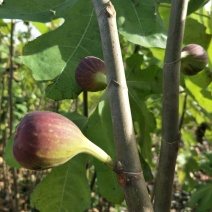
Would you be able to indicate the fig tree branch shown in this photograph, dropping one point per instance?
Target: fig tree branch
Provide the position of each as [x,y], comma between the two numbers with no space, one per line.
[130,175]
[170,111]
[10,104]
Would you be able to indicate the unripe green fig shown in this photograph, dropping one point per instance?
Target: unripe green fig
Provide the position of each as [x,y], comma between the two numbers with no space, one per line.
[46,139]
[90,74]
[193,59]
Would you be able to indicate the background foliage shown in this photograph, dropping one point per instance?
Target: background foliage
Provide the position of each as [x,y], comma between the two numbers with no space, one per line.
[43,79]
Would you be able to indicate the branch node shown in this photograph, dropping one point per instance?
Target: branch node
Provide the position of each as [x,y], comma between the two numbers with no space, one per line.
[126,178]
[173,62]
[116,83]
[173,142]
[109,9]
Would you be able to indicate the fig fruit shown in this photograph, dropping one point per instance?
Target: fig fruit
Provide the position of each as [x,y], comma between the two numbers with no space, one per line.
[193,59]
[90,74]
[45,139]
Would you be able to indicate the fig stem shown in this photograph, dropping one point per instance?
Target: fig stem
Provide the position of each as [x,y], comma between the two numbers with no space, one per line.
[184,54]
[99,154]
[101,78]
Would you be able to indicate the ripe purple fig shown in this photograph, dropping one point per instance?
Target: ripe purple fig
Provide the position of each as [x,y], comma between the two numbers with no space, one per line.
[46,139]
[90,74]
[193,59]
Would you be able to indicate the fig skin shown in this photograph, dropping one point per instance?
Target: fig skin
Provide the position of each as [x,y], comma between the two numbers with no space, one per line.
[90,74]
[194,59]
[45,139]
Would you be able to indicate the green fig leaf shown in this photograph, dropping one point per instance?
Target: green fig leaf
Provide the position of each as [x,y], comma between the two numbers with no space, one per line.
[194,5]
[197,86]
[34,10]
[141,84]
[66,188]
[8,154]
[144,84]
[202,16]
[201,198]
[139,23]
[148,176]
[99,131]
[146,124]
[78,119]
[200,38]
[206,164]
[145,81]
[56,61]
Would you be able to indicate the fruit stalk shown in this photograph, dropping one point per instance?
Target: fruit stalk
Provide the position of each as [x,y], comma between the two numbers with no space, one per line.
[99,154]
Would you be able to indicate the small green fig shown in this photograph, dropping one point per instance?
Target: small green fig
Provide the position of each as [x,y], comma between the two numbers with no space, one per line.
[46,139]
[193,59]
[90,74]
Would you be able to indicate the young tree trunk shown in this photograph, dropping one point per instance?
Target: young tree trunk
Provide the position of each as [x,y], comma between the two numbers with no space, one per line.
[129,171]
[170,111]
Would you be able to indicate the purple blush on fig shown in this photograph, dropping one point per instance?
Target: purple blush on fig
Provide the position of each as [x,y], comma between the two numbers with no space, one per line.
[43,140]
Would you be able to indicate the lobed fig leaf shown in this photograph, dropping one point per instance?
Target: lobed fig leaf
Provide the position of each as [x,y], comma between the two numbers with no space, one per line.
[194,58]
[45,139]
[90,74]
